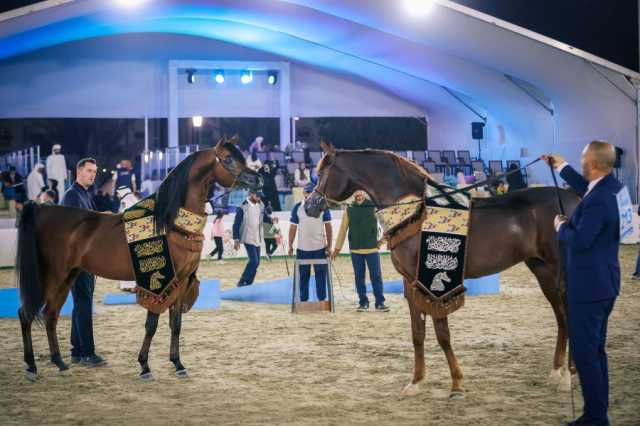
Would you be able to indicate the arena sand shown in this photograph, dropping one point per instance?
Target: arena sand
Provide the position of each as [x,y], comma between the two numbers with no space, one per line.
[254,363]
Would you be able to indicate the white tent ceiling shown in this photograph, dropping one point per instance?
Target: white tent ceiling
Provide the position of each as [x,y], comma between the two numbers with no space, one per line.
[507,74]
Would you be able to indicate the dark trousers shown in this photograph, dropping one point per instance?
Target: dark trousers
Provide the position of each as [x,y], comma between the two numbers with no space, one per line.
[372,261]
[587,337]
[270,245]
[320,272]
[637,272]
[249,273]
[219,248]
[81,317]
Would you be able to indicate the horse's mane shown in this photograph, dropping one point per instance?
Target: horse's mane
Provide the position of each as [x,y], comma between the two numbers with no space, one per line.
[172,193]
[524,197]
[405,166]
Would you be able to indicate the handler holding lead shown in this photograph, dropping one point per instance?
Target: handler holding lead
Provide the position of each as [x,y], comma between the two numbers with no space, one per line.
[591,238]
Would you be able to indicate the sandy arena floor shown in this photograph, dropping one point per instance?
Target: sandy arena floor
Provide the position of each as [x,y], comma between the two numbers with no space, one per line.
[258,364]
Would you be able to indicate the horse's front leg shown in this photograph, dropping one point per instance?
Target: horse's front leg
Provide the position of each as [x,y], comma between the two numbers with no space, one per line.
[143,358]
[441,326]
[175,322]
[417,333]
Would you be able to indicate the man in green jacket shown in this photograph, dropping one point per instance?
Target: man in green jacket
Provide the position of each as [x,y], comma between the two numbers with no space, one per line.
[360,222]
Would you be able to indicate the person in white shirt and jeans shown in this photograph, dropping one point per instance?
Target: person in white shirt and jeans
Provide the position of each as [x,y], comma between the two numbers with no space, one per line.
[314,242]
[247,229]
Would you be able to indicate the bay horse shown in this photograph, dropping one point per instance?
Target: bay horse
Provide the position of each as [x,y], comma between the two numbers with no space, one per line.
[504,231]
[55,243]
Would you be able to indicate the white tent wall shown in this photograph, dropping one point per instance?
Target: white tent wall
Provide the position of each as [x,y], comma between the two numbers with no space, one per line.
[126,76]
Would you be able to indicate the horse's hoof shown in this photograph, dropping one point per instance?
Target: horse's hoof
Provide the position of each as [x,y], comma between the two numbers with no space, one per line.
[565,383]
[456,396]
[555,376]
[412,389]
[146,377]
[31,376]
[182,374]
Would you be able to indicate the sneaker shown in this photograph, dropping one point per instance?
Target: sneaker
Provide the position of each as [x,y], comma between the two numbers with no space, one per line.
[363,307]
[635,277]
[220,261]
[75,359]
[92,361]
[382,308]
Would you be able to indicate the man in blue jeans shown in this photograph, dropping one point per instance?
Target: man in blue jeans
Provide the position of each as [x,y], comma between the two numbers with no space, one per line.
[247,229]
[360,221]
[82,346]
[314,242]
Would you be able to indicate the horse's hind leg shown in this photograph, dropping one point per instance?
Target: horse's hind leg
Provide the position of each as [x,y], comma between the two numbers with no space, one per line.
[546,277]
[175,322]
[143,358]
[51,322]
[441,326]
[29,359]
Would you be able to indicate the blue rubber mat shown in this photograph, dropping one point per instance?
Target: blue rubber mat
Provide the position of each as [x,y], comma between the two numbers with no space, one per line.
[208,299]
[10,302]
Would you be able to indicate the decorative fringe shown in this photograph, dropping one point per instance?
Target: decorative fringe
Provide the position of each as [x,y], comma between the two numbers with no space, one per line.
[437,308]
[190,294]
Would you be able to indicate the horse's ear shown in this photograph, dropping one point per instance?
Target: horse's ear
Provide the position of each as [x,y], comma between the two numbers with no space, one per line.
[221,142]
[234,139]
[327,147]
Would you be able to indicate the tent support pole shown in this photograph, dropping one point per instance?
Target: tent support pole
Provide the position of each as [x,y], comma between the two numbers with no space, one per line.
[529,94]
[469,107]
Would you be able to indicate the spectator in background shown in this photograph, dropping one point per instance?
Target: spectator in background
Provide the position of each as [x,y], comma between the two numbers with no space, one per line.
[57,167]
[35,182]
[217,233]
[124,175]
[247,229]
[271,231]
[11,180]
[359,221]
[314,242]
[53,185]
[636,274]
[515,180]
[301,178]
[253,162]
[47,198]
[268,173]
[256,145]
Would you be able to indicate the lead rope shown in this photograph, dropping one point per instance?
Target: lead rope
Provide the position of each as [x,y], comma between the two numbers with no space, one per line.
[334,272]
[558,290]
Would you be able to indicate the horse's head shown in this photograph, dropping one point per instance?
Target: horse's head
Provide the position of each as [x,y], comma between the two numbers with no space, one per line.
[333,184]
[232,168]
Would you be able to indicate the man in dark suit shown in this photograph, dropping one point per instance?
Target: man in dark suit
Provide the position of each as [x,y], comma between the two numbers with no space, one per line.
[82,346]
[591,238]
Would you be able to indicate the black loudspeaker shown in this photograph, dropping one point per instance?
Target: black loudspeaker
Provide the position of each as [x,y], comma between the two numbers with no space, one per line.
[619,152]
[477,130]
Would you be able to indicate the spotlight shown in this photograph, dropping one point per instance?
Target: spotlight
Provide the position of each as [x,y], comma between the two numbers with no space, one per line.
[129,4]
[160,155]
[418,7]
[272,77]
[247,77]
[146,157]
[191,76]
[197,120]
[219,77]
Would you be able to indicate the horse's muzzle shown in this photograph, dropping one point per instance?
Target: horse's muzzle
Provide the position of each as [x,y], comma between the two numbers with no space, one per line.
[250,179]
[315,204]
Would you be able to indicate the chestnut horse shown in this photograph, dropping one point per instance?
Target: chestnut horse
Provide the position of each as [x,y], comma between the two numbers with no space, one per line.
[55,243]
[504,231]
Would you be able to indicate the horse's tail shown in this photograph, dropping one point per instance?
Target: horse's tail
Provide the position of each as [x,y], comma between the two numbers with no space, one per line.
[28,265]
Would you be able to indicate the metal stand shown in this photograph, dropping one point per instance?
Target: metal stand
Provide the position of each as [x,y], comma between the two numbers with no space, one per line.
[298,306]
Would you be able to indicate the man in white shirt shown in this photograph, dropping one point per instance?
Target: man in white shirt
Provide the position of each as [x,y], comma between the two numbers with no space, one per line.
[57,167]
[247,229]
[35,182]
[314,242]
